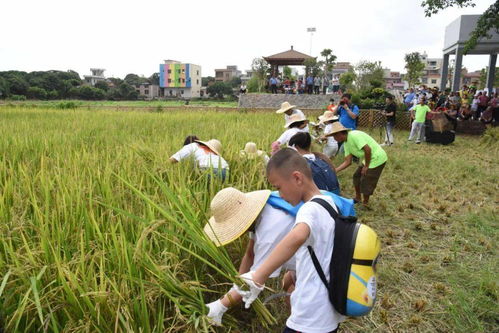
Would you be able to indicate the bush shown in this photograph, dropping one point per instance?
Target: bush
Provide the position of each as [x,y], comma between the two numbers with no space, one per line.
[66,105]
[366,103]
[219,89]
[17,98]
[356,99]
[37,93]
[53,94]
[91,93]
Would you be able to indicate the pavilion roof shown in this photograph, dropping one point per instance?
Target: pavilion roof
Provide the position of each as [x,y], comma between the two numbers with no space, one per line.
[290,56]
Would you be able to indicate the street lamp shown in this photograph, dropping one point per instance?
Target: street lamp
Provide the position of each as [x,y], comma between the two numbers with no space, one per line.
[311,30]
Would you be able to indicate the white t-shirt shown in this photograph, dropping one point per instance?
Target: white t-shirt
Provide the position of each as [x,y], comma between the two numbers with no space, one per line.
[311,310]
[273,226]
[330,140]
[295,111]
[288,134]
[204,159]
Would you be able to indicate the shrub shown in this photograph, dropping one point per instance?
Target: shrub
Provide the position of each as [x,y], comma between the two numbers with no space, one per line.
[66,105]
[91,93]
[17,98]
[37,93]
[366,103]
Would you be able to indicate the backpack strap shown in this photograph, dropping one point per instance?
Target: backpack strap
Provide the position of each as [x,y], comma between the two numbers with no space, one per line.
[315,261]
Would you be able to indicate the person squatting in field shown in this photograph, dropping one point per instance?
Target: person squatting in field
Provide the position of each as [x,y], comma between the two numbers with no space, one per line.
[206,155]
[234,214]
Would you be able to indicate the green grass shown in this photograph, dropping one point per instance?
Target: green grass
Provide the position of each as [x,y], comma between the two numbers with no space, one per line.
[138,104]
[98,233]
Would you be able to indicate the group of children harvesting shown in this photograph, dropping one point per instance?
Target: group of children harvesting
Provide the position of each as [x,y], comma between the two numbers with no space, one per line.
[283,225]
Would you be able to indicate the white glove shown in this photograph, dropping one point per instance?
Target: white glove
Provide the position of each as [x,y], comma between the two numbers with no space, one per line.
[255,290]
[217,310]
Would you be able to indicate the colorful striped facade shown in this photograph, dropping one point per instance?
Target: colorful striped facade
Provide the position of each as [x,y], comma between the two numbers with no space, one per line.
[175,75]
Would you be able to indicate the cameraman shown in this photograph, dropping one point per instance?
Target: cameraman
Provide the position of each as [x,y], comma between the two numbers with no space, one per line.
[389,113]
[347,112]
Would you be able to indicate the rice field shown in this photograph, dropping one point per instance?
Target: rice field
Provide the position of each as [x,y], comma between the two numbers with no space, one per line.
[99,233]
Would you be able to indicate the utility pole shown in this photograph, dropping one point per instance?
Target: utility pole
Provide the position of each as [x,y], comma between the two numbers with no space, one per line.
[311,30]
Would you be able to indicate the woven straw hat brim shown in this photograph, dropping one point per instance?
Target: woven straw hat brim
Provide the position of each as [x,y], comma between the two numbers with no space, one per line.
[209,146]
[244,153]
[324,119]
[295,121]
[339,129]
[224,232]
[286,109]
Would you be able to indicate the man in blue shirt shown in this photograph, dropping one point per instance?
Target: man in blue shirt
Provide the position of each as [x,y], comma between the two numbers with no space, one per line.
[348,112]
[310,84]
[408,98]
[273,84]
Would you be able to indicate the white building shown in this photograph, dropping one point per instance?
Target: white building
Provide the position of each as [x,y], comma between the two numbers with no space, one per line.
[97,75]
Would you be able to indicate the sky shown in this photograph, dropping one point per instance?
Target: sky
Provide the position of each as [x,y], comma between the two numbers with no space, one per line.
[136,36]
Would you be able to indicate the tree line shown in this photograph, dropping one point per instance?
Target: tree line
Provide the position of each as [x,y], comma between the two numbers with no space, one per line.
[44,85]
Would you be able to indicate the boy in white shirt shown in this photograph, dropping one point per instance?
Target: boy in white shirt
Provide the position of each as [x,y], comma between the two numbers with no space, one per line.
[290,110]
[206,154]
[311,310]
[234,213]
[296,123]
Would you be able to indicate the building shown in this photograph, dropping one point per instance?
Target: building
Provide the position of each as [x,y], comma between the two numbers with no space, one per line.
[340,68]
[246,77]
[177,79]
[97,75]
[432,76]
[393,80]
[227,74]
[148,91]
[471,78]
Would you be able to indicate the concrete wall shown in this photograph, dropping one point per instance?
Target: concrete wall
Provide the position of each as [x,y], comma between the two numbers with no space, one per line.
[274,101]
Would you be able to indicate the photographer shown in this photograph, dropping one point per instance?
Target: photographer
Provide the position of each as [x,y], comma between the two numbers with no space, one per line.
[347,112]
[389,113]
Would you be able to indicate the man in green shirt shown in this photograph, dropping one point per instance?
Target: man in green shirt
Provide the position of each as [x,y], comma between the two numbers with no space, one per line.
[418,114]
[365,148]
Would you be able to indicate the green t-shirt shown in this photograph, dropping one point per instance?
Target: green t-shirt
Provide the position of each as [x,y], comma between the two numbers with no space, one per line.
[421,111]
[356,140]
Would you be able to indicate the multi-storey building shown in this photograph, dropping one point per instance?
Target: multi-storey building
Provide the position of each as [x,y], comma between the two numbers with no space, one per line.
[177,79]
[97,75]
[227,74]
[432,72]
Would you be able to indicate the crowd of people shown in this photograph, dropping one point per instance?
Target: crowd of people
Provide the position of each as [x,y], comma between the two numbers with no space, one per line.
[465,104]
[304,85]
[282,224]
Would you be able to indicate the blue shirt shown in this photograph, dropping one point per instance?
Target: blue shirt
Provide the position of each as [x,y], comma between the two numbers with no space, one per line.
[273,80]
[409,97]
[345,118]
[310,80]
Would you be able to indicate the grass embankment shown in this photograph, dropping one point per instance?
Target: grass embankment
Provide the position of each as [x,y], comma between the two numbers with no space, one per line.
[127,104]
[99,233]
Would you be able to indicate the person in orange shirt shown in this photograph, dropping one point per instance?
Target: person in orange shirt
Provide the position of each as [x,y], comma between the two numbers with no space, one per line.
[331,107]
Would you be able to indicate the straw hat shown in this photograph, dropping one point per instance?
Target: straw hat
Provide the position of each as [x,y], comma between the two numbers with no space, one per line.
[213,144]
[294,118]
[337,127]
[285,106]
[251,151]
[233,213]
[327,116]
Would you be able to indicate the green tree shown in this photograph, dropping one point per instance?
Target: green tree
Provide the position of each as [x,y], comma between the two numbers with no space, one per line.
[414,67]
[235,82]
[154,79]
[329,60]
[347,79]
[102,85]
[260,69]
[483,78]
[4,88]
[287,72]
[37,93]
[313,67]
[253,84]
[487,21]
[219,89]
[206,80]
[367,73]
[91,93]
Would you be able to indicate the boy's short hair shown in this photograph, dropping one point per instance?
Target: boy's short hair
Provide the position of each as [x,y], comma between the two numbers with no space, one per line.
[301,140]
[287,160]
